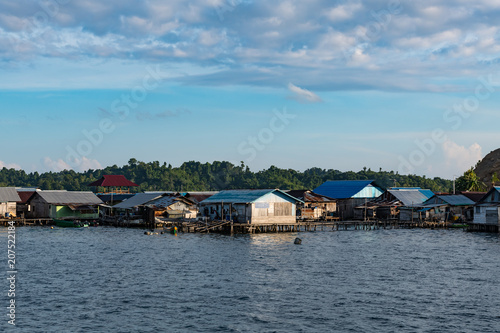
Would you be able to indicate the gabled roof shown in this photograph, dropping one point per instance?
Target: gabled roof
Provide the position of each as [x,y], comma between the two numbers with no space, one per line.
[474,196]
[64,198]
[452,199]
[411,196]
[113,181]
[344,189]
[25,196]
[138,200]
[9,194]
[492,197]
[169,200]
[244,196]
[309,196]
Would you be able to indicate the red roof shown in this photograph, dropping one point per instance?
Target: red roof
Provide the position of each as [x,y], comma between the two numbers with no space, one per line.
[113,180]
[25,196]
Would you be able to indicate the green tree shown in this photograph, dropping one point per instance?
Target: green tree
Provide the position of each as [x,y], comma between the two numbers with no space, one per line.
[494,179]
[469,181]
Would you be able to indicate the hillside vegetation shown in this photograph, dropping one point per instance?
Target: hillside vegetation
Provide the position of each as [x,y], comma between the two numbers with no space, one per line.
[196,176]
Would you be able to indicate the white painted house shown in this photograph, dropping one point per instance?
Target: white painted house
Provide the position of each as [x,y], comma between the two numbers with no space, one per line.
[251,206]
[487,210]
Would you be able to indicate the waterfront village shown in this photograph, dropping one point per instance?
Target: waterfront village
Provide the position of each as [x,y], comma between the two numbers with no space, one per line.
[340,205]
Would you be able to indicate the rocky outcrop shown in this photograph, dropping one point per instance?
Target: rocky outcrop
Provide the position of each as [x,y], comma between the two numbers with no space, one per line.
[487,166]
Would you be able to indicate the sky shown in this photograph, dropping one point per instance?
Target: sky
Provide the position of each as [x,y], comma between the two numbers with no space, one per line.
[408,86]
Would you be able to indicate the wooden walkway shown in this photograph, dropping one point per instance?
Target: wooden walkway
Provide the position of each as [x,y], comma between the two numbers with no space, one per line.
[26,222]
[227,227]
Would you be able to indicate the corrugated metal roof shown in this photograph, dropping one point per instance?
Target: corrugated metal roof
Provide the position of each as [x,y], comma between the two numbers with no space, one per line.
[456,200]
[9,194]
[25,196]
[427,193]
[63,198]
[343,189]
[242,196]
[411,196]
[168,200]
[138,199]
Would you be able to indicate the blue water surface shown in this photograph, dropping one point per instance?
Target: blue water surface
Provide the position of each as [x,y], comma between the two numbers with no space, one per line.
[108,279]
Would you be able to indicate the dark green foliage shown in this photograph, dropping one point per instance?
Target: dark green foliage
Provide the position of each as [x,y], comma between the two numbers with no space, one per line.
[469,181]
[196,176]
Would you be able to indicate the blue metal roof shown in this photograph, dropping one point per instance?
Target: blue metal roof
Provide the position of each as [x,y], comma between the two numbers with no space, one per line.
[344,189]
[244,196]
[427,193]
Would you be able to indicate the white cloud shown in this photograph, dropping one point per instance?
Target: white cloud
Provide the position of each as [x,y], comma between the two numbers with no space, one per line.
[412,44]
[56,166]
[87,164]
[343,12]
[9,165]
[303,95]
[59,165]
[460,158]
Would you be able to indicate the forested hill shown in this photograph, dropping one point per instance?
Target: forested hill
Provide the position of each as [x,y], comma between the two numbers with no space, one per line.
[196,176]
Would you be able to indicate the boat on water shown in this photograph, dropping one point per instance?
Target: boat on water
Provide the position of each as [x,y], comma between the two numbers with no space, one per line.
[70,224]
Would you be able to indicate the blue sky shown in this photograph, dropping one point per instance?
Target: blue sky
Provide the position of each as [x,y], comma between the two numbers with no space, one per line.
[398,85]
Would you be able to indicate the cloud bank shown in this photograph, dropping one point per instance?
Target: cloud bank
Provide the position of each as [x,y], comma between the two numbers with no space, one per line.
[385,45]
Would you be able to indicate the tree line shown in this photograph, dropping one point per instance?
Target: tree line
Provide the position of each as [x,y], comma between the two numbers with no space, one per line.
[218,175]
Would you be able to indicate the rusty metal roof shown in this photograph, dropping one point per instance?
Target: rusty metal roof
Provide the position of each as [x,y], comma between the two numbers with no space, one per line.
[25,196]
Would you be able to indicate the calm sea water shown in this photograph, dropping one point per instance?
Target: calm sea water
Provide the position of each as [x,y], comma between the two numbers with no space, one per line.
[120,280]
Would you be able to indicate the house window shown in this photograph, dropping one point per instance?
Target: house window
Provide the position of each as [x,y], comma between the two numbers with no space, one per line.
[478,209]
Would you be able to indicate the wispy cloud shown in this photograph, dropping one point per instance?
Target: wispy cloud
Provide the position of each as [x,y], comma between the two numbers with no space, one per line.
[59,165]
[56,166]
[9,165]
[303,95]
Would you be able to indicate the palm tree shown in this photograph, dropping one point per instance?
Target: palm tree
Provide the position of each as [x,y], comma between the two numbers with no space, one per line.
[470,182]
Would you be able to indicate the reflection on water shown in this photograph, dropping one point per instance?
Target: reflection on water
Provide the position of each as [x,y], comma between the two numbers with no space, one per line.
[119,280]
